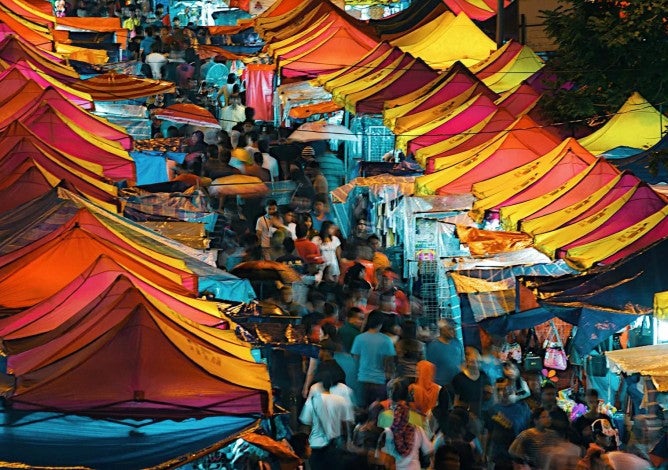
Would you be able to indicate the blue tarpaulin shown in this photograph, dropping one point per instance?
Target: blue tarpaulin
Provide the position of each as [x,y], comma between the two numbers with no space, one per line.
[56,439]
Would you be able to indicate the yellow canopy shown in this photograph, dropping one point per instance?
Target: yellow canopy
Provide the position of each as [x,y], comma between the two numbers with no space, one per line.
[549,242]
[637,124]
[661,305]
[584,256]
[522,66]
[444,41]
[556,219]
[495,191]
[645,360]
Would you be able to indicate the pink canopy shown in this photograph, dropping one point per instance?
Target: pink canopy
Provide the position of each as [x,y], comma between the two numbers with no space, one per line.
[30,74]
[479,109]
[572,160]
[401,82]
[152,357]
[644,202]
[72,139]
[522,143]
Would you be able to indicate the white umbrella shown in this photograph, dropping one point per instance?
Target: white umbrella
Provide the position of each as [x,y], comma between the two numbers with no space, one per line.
[321,130]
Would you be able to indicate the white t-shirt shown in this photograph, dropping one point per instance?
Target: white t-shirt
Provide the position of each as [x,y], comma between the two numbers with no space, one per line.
[339,389]
[324,413]
[328,252]
[155,60]
[412,460]
[271,164]
[264,225]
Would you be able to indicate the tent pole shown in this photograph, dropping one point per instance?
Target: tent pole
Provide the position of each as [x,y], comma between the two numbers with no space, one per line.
[499,23]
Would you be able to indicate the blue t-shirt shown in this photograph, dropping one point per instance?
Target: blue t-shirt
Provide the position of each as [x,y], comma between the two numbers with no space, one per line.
[447,358]
[372,349]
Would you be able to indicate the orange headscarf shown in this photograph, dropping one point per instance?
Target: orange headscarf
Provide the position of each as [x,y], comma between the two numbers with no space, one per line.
[424,390]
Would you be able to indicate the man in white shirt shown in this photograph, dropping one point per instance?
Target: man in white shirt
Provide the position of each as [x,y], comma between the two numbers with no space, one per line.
[233,113]
[330,417]
[268,162]
[156,61]
[264,228]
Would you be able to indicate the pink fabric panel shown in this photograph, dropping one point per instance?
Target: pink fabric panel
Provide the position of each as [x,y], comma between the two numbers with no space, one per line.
[259,91]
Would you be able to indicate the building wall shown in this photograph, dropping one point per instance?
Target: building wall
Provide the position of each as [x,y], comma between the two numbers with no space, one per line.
[531,23]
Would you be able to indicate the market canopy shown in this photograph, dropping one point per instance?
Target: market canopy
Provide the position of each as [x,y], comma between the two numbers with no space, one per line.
[479,10]
[14,49]
[335,44]
[24,71]
[508,66]
[458,117]
[404,79]
[69,137]
[43,219]
[113,86]
[430,101]
[415,15]
[482,132]
[30,168]
[521,143]
[533,179]
[153,354]
[637,125]
[446,40]
[649,361]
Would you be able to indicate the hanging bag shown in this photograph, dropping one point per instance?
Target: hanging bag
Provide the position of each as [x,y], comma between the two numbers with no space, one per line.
[555,356]
[642,336]
[532,362]
[511,350]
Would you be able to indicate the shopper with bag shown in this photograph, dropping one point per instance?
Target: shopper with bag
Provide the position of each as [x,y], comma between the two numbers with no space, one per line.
[330,418]
[405,442]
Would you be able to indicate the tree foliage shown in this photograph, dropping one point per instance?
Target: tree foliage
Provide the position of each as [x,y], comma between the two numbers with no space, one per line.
[606,51]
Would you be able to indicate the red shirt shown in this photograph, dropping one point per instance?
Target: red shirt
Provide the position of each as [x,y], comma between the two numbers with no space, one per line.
[308,251]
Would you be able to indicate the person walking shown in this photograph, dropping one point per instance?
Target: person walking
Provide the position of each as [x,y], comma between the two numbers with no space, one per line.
[330,418]
[374,353]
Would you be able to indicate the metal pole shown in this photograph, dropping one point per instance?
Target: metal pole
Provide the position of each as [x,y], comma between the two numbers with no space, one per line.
[499,23]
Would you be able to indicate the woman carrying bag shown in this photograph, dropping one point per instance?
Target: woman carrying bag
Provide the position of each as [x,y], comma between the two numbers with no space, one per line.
[405,442]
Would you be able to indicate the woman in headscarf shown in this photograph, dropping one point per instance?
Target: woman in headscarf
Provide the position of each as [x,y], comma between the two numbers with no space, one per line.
[424,391]
[405,441]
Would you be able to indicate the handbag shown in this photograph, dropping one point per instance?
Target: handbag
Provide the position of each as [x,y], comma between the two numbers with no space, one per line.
[642,336]
[533,362]
[511,350]
[555,356]
[574,357]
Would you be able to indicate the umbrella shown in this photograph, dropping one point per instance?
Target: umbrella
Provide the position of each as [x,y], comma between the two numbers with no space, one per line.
[238,185]
[264,270]
[321,130]
[188,113]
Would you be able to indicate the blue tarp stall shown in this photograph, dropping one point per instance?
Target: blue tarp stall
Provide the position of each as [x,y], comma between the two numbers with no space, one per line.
[611,297]
[152,165]
[51,439]
[640,164]
[503,311]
